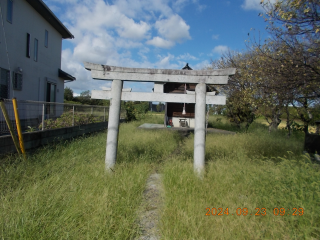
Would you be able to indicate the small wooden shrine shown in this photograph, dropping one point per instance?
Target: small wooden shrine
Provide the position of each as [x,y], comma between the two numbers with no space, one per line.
[182,114]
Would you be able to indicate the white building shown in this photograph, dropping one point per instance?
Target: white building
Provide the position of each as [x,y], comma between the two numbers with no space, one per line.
[30,52]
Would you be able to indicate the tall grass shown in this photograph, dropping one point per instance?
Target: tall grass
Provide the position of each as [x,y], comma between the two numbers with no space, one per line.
[247,170]
[62,191]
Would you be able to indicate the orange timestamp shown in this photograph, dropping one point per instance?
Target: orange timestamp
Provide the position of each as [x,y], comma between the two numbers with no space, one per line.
[258,212]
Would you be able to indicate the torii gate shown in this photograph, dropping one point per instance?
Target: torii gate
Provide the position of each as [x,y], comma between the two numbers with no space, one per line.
[159,77]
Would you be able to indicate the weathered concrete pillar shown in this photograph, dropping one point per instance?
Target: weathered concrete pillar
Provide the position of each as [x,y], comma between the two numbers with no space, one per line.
[200,129]
[113,124]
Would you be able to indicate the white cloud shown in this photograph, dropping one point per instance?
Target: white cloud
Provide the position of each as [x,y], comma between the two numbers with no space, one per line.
[126,43]
[254,4]
[186,56]
[83,77]
[129,8]
[160,42]
[173,28]
[202,65]
[165,62]
[129,29]
[118,33]
[101,16]
[158,6]
[48,2]
[142,53]
[200,7]
[54,8]
[220,49]
[143,8]
[95,49]
[178,5]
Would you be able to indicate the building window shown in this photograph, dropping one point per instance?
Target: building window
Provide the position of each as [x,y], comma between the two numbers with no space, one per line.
[51,92]
[4,83]
[51,97]
[9,10]
[36,50]
[28,46]
[46,38]
[17,81]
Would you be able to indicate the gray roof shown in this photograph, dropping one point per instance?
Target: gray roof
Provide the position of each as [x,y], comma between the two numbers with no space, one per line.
[65,76]
[49,16]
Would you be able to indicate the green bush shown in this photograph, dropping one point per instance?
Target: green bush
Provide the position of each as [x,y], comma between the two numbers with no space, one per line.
[65,120]
[136,111]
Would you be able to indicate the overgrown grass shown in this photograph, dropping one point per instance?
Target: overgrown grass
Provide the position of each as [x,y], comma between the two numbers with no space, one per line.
[63,191]
[247,170]
[221,122]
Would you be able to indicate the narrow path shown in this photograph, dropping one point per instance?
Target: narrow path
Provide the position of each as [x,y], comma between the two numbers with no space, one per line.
[149,213]
[153,199]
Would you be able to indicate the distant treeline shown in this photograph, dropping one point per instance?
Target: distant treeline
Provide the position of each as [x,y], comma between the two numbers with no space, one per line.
[84,98]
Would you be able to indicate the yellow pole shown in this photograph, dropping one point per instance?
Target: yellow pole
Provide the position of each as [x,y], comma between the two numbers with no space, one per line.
[16,114]
[6,116]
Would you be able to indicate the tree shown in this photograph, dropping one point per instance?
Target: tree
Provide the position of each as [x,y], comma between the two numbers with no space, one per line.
[298,17]
[257,88]
[135,110]
[68,94]
[240,107]
[85,98]
[158,107]
[295,29]
[85,94]
[283,71]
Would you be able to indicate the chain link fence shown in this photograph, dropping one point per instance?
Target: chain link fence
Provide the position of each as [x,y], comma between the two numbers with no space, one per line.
[38,116]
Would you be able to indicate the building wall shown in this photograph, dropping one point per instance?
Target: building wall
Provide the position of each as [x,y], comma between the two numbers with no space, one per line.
[35,74]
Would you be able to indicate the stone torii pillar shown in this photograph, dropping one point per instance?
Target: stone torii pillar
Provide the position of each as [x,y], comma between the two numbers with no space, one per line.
[200,129]
[159,77]
[113,124]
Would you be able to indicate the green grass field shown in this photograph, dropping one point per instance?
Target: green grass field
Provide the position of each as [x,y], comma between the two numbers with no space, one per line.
[62,191]
[217,121]
[256,171]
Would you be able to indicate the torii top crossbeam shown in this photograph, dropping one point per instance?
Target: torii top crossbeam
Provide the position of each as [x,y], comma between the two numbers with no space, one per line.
[105,72]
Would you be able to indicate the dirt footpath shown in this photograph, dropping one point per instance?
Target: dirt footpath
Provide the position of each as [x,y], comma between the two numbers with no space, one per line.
[149,212]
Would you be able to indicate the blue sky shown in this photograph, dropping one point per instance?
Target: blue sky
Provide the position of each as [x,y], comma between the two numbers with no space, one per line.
[152,34]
